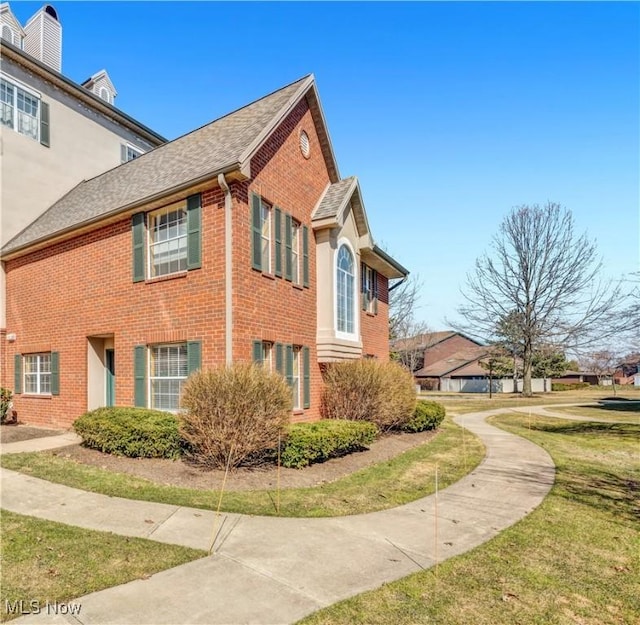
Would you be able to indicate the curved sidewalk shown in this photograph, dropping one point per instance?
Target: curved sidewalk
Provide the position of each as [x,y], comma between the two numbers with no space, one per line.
[277,570]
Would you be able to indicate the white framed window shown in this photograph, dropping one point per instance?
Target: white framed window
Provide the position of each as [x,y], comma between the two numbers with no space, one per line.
[167,232]
[295,377]
[368,278]
[345,291]
[19,109]
[295,252]
[168,372]
[129,152]
[267,355]
[265,230]
[37,374]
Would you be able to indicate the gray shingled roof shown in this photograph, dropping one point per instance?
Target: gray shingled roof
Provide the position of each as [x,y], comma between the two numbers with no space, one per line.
[333,199]
[206,150]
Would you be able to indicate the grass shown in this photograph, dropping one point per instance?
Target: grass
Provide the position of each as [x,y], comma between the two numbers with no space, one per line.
[405,478]
[575,559]
[47,562]
[610,413]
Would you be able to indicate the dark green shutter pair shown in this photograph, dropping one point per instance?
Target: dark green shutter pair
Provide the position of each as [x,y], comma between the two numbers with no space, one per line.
[256,242]
[194,362]
[45,135]
[55,373]
[194,238]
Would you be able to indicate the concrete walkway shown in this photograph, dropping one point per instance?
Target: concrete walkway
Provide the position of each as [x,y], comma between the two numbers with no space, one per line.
[40,444]
[277,570]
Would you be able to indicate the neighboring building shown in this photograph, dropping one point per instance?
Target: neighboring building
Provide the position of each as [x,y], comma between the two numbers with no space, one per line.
[238,241]
[54,132]
[576,377]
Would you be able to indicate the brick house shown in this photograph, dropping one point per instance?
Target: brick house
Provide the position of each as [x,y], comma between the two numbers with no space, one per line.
[238,241]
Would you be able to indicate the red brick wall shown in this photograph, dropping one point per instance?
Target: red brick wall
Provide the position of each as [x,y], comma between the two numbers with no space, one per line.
[375,328]
[265,307]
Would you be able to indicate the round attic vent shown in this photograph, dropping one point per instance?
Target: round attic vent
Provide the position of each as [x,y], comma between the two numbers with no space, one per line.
[305,146]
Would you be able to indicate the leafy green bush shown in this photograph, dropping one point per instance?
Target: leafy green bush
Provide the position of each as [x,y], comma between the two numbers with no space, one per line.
[233,414]
[133,432]
[428,415]
[558,386]
[5,402]
[307,443]
[369,390]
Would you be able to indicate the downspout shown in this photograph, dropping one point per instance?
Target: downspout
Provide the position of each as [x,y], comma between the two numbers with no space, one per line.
[228,271]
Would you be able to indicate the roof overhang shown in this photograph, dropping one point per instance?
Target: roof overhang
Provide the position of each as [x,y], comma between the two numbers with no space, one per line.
[9,51]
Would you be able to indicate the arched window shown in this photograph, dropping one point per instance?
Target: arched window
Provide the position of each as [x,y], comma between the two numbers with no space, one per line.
[345,281]
[105,95]
[7,33]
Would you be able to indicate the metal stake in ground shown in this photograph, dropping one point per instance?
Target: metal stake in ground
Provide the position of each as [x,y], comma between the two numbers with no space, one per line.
[214,534]
[436,524]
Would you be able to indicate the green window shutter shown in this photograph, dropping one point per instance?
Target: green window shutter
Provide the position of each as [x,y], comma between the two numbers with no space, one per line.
[278,239]
[55,373]
[17,374]
[288,235]
[306,388]
[140,375]
[45,135]
[289,364]
[375,292]
[257,352]
[137,236]
[194,219]
[305,256]
[256,232]
[279,358]
[194,356]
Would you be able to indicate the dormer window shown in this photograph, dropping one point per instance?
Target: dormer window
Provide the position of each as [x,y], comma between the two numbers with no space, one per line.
[105,94]
[7,33]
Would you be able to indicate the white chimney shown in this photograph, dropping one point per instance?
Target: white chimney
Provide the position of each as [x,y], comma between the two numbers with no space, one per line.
[43,37]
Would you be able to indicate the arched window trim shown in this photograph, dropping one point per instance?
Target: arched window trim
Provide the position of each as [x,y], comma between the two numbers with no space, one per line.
[105,94]
[352,336]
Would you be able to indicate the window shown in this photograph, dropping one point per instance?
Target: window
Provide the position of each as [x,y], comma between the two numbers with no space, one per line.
[295,252]
[169,370]
[37,374]
[7,33]
[265,230]
[369,289]
[267,355]
[345,278]
[19,109]
[167,242]
[295,377]
[128,152]
[105,95]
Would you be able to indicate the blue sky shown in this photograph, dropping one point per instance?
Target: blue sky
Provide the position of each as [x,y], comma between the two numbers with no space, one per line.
[449,113]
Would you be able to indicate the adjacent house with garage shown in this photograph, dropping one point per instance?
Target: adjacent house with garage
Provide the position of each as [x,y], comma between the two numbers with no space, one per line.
[237,241]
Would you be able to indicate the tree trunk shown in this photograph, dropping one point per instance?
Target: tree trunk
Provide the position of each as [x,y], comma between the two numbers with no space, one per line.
[515,373]
[526,372]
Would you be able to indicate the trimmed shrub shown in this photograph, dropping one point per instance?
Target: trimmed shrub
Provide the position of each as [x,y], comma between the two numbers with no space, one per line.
[133,432]
[428,415]
[558,386]
[5,403]
[316,442]
[233,414]
[368,390]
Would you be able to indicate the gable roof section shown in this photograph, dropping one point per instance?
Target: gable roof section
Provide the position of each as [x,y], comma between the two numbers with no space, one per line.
[454,362]
[428,340]
[332,209]
[102,74]
[224,145]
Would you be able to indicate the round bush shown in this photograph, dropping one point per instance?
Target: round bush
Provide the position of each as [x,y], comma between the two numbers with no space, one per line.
[428,415]
[369,390]
[134,432]
[234,413]
[307,443]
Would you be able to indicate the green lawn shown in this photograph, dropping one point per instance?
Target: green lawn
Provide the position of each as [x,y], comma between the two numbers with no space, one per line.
[574,560]
[610,413]
[405,478]
[43,561]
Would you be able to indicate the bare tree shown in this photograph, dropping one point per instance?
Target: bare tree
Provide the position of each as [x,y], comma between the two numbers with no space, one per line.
[403,304]
[604,364]
[547,277]
[409,349]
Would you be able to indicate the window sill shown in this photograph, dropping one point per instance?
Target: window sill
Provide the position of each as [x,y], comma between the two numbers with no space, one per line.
[269,276]
[297,412]
[298,286]
[36,395]
[370,314]
[170,276]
